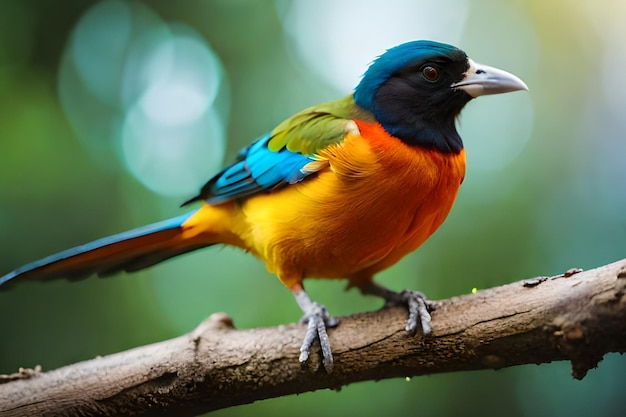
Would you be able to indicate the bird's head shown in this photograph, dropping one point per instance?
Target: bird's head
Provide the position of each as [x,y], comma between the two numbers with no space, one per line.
[417,89]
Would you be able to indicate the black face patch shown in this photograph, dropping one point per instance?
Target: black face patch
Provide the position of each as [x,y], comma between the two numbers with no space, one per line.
[417,104]
[452,68]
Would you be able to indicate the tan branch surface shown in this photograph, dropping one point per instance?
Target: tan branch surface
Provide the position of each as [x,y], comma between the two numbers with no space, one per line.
[576,316]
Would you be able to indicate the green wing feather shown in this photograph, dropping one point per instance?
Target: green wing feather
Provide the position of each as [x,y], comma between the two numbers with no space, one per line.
[317,127]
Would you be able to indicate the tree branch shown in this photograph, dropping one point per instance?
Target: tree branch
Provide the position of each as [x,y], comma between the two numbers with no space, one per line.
[577,316]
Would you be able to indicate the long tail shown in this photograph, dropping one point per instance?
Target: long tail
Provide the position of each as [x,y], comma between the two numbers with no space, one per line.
[129,251]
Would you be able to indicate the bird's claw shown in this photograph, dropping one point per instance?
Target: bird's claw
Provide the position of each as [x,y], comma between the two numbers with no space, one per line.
[418,307]
[318,319]
[415,302]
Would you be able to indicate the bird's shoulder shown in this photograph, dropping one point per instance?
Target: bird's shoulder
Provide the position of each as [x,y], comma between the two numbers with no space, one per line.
[288,154]
[318,127]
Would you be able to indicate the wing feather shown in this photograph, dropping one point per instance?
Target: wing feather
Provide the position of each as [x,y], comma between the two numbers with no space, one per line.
[287,155]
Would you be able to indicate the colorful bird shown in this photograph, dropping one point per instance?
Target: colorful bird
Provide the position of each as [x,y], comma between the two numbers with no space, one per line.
[344,189]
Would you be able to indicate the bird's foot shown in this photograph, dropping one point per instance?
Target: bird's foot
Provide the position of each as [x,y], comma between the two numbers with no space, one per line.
[418,307]
[416,302]
[318,319]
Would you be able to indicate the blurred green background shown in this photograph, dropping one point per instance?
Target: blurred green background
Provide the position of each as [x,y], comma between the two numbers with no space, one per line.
[112,113]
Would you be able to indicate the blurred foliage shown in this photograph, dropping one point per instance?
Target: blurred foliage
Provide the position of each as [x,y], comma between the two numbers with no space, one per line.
[556,201]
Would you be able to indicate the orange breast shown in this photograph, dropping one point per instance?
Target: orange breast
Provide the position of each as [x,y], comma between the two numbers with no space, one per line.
[379,200]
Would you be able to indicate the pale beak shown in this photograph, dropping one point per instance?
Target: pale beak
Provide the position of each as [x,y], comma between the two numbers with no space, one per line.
[481,80]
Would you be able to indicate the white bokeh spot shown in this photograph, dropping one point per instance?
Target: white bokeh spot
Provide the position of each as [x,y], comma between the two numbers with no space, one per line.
[337,40]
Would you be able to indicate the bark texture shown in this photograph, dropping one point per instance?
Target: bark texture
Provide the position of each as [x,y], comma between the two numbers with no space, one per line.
[577,316]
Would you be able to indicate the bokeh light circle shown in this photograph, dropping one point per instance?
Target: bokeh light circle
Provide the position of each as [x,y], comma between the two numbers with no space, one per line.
[172,159]
[336,40]
[150,92]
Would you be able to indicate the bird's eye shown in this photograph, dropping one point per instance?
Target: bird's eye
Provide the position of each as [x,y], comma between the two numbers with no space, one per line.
[430,73]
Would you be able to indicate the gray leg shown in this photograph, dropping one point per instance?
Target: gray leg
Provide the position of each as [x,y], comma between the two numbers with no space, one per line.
[317,318]
[415,301]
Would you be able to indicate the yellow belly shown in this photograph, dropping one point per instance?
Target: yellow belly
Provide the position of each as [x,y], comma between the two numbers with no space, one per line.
[374,205]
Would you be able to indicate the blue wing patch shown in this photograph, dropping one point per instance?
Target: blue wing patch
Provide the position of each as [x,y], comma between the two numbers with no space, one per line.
[257,169]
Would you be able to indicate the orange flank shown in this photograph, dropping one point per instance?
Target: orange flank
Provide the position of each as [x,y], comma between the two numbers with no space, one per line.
[378,200]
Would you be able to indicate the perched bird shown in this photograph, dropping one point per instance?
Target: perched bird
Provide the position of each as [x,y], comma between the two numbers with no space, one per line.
[344,189]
